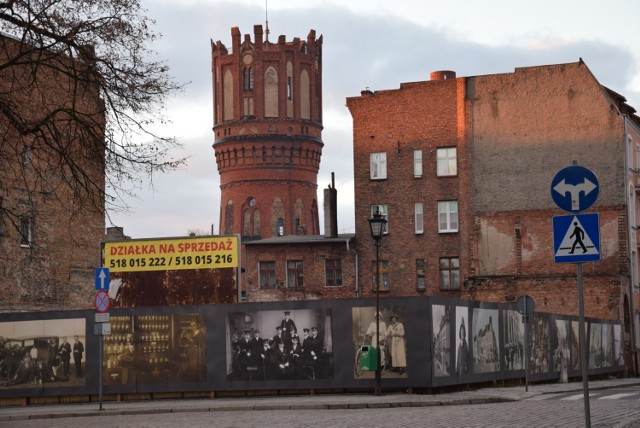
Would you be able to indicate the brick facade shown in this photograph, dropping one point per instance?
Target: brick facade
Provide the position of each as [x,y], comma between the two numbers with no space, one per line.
[512,133]
[55,269]
[313,252]
[268,125]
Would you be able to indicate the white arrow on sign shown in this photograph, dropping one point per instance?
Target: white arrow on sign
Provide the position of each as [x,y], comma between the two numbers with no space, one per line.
[574,190]
[102,277]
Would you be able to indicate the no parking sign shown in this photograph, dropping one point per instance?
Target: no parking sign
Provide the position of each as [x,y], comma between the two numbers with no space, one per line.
[102,301]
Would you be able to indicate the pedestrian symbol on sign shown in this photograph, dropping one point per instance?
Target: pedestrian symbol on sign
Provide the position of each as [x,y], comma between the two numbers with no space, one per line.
[576,238]
[578,235]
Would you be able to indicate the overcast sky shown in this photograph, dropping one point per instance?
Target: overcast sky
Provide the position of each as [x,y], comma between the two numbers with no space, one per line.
[367,43]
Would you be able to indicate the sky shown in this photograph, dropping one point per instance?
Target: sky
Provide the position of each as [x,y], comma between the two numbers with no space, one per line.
[366,44]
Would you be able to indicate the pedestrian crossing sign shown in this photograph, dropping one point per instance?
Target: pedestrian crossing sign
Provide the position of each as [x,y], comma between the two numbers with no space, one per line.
[576,238]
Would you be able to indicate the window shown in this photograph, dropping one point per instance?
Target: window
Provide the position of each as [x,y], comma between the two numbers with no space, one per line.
[267,275]
[26,156]
[250,220]
[384,210]
[419,218]
[333,272]
[447,216]
[417,163]
[26,231]
[420,275]
[295,274]
[378,165]
[289,88]
[384,275]
[447,161]
[449,273]
[247,79]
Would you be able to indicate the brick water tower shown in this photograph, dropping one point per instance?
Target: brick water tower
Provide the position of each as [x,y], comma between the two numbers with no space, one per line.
[267,100]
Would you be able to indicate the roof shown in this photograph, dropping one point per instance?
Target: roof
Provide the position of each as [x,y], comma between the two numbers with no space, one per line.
[303,239]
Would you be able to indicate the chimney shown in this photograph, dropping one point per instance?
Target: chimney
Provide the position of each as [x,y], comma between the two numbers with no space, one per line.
[331,209]
[443,75]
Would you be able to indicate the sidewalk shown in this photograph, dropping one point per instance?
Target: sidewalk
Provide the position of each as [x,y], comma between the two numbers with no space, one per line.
[344,401]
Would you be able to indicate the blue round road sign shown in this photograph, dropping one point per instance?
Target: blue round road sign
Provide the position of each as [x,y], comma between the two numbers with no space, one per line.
[102,301]
[575,188]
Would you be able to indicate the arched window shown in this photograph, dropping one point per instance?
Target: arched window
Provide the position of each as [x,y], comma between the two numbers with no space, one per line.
[299,220]
[247,79]
[250,220]
[305,99]
[227,110]
[271,93]
[228,218]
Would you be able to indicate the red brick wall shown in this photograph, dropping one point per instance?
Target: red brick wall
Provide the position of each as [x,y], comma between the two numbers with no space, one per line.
[425,116]
[56,272]
[513,133]
[272,159]
[313,257]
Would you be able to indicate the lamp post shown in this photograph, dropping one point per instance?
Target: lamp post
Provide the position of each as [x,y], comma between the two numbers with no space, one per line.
[377,224]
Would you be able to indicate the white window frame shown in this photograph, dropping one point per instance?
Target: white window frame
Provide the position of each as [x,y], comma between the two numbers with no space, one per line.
[26,231]
[447,161]
[378,166]
[417,163]
[384,210]
[419,218]
[448,220]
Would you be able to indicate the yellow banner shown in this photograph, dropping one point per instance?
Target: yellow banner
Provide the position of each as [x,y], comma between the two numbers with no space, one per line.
[199,252]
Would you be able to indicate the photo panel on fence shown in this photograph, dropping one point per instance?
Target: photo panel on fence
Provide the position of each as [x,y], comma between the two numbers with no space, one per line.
[155,349]
[43,353]
[383,330]
[290,344]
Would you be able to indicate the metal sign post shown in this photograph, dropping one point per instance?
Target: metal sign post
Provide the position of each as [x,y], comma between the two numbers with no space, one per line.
[100,362]
[102,325]
[583,349]
[526,350]
[526,306]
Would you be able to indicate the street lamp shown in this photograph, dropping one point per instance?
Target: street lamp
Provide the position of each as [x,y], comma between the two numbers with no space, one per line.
[377,224]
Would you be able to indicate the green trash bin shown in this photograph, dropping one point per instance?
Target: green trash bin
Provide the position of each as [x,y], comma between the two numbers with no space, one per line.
[368,358]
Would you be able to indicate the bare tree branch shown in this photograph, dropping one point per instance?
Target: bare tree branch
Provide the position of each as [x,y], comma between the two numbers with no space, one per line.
[96,48]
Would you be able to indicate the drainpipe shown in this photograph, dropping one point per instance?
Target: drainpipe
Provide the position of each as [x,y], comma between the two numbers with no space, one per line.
[632,314]
[357,275]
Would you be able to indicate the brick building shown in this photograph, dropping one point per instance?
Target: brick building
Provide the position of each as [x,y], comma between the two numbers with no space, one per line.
[49,232]
[268,144]
[267,101]
[305,267]
[462,167]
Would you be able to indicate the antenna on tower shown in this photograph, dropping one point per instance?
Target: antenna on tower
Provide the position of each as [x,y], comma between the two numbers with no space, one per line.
[266,16]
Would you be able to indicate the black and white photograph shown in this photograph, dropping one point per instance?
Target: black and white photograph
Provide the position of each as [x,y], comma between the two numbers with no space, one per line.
[385,330]
[607,345]
[562,353]
[441,340]
[294,344]
[40,354]
[154,349]
[540,339]
[618,345]
[462,340]
[486,357]
[576,362]
[596,347]
[513,340]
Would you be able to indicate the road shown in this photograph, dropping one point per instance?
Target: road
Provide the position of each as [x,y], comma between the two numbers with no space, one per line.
[617,407]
